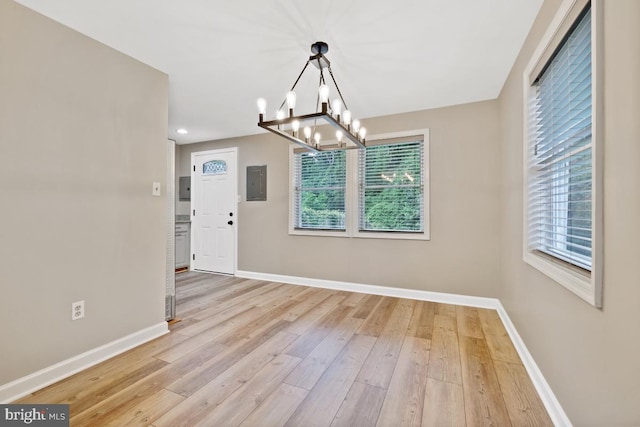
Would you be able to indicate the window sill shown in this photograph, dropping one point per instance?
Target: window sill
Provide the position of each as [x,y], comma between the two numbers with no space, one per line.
[319,233]
[393,235]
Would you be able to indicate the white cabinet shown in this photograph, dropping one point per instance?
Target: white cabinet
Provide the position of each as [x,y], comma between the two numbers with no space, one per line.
[182,244]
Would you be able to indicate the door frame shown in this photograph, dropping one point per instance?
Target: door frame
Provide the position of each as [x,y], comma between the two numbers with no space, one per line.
[170,269]
[234,182]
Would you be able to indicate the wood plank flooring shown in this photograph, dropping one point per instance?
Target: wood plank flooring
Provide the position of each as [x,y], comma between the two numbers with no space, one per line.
[253,353]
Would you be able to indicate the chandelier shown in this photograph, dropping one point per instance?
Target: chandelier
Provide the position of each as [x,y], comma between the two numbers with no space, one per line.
[303,129]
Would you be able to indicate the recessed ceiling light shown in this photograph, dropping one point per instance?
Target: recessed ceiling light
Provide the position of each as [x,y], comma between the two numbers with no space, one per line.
[182,131]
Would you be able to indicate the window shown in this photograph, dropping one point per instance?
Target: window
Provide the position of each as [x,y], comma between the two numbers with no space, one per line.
[380,191]
[561,175]
[391,187]
[560,190]
[320,182]
[214,167]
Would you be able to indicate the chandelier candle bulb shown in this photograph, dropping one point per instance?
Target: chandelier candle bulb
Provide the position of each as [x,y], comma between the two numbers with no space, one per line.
[295,125]
[346,117]
[339,138]
[291,102]
[356,125]
[363,133]
[323,91]
[262,107]
[336,106]
[316,138]
[307,134]
[279,116]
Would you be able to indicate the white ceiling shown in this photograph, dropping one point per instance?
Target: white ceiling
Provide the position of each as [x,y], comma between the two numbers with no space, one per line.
[387,57]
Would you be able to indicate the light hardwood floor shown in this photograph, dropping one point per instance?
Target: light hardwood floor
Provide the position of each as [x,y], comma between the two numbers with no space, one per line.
[254,353]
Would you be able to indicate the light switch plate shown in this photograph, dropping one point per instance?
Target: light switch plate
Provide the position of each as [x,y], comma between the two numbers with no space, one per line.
[156,189]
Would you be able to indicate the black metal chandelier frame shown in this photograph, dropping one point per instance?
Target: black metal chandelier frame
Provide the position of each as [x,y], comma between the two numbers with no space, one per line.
[283,126]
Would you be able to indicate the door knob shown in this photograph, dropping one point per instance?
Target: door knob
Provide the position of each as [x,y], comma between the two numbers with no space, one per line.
[230,222]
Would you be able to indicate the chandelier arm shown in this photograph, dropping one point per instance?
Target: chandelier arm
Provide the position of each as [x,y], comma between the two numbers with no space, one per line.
[338,88]
[275,127]
[300,75]
[295,83]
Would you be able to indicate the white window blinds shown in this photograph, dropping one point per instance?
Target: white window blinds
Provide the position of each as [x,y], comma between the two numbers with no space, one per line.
[319,190]
[560,152]
[391,187]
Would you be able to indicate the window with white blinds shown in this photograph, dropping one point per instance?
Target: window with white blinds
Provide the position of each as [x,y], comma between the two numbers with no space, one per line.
[319,190]
[391,187]
[563,146]
[560,152]
[380,191]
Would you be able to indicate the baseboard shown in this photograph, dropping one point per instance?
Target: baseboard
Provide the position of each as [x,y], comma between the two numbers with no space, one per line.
[387,291]
[44,377]
[557,414]
[549,400]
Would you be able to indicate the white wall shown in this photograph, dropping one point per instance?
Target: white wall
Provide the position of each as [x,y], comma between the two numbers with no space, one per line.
[82,138]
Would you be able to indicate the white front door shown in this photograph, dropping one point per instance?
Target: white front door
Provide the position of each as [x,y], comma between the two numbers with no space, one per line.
[213,210]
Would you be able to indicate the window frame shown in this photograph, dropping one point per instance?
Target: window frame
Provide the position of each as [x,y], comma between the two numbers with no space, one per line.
[352,194]
[293,198]
[355,208]
[587,286]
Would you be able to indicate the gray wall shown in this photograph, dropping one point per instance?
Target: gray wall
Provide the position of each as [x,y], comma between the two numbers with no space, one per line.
[589,356]
[82,138]
[461,256]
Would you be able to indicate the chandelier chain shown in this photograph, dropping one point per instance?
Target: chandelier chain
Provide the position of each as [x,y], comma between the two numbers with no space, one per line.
[296,82]
[337,88]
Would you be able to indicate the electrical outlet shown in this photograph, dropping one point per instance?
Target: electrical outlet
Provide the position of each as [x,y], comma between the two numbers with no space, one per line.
[77,310]
[155,190]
